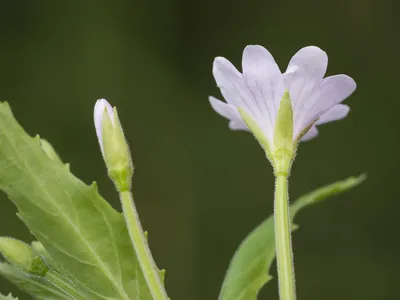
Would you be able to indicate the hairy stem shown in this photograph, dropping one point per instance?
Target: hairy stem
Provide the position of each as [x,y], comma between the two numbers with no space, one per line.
[284,252]
[139,241]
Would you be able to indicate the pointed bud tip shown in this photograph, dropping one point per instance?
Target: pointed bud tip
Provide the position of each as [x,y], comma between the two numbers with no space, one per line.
[99,108]
[98,117]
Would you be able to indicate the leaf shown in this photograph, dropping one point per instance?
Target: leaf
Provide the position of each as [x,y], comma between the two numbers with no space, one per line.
[33,285]
[248,270]
[8,297]
[82,233]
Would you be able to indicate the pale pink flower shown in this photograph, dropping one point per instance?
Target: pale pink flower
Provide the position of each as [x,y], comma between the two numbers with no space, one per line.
[260,87]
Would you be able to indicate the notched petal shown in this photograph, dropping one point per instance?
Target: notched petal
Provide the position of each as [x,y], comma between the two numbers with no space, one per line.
[311,60]
[256,58]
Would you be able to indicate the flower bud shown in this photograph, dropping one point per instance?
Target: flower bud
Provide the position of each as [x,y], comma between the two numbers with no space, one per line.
[113,145]
[22,256]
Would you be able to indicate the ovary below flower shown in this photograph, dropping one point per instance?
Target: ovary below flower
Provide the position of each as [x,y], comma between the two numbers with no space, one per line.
[254,97]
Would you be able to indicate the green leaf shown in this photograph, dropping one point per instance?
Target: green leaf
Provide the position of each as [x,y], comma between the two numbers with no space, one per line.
[8,297]
[248,270]
[84,235]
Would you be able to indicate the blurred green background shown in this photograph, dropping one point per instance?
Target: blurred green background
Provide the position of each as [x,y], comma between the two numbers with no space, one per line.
[199,187]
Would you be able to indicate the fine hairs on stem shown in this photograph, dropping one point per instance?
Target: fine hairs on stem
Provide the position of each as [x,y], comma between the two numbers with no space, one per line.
[284,252]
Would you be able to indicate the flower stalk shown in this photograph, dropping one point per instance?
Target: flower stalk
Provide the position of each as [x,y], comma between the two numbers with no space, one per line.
[282,158]
[117,157]
[146,261]
[283,241]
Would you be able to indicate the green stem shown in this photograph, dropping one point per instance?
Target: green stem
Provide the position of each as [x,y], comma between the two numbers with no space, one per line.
[284,252]
[146,262]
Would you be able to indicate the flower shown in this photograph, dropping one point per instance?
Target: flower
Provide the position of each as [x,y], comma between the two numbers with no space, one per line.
[113,145]
[258,91]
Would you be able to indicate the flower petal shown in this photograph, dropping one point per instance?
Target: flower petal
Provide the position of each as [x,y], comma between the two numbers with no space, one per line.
[99,107]
[235,125]
[311,133]
[333,90]
[338,112]
[228,78]
[311,61]
[264,79]
[238,93]
[257,93]
[228,111]
[302,78]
